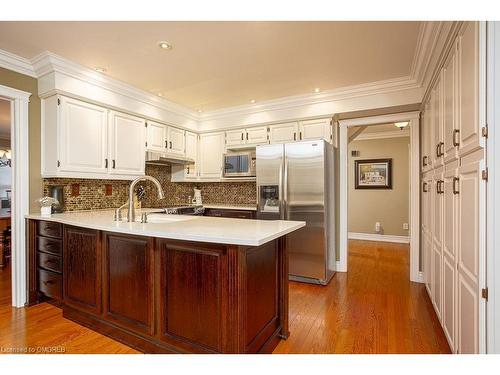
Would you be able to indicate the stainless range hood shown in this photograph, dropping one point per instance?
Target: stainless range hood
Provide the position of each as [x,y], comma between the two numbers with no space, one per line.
[158,158]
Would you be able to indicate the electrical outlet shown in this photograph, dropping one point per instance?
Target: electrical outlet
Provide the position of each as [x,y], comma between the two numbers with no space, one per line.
[405,226]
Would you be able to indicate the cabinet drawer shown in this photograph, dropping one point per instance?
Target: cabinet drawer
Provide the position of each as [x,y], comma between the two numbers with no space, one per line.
[50,284]
[50,262]
[49,229]
[49,245]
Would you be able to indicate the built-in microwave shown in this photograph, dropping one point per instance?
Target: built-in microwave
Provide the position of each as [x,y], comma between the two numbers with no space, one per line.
[239,164]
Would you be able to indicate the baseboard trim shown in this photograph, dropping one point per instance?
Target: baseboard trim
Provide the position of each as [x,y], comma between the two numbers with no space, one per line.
[378,237]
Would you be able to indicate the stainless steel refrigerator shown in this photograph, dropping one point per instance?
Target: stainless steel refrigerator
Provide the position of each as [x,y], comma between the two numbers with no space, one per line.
[295,181]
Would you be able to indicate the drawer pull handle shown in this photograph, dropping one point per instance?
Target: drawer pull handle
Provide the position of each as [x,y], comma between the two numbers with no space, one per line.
[424,161]
[455,185]
[456,141]
[424,187]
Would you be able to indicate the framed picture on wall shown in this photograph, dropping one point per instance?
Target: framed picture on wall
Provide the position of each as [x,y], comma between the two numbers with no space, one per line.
[373,174]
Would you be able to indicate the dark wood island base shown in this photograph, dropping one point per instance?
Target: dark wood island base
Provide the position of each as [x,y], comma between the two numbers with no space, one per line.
[169,296]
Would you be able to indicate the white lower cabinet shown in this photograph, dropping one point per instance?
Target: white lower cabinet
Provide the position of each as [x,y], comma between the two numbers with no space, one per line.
[127,136]
[211,150]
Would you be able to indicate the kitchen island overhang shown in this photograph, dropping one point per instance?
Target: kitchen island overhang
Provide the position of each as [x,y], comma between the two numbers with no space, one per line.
[160,294]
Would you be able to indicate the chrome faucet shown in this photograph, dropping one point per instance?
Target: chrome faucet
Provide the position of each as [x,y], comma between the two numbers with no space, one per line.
[131,208]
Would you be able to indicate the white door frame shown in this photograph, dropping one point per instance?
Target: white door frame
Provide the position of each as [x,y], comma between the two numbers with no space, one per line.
[19,131]
[493,188]
[414,214]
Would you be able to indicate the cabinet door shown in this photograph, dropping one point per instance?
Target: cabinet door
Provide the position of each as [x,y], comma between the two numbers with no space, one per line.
[82,137]
[82,269]
[257,135]
[437,282]
[211,150]
[128,269]
[127,144]
[315,129]
[468,81]
[437,151]
[235,137]
[437,205]
[450,209]
[283,133]
[176,141]
[156,137]
[469,244]
[191,152]
[450,136]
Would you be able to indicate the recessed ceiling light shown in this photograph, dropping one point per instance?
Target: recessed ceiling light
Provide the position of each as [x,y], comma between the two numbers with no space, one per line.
[252,101]
[160,94]
[199,111]
[316,89]
[164,45]
[100,69]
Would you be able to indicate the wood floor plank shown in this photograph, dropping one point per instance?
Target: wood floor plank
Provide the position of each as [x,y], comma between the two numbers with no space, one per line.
[373,308]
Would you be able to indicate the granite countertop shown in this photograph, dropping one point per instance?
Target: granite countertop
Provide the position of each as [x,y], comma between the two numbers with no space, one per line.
[182,227]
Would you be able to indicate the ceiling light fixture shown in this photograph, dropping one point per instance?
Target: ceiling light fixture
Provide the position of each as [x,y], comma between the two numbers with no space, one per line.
[160,94]
[252,101]
[316,89]
[402,125]
[164,45]
[100,69]
[199,111]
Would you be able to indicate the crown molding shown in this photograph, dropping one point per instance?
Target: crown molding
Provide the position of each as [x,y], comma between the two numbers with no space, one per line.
[426,44]
[48,62]
[16,63]
[347,92]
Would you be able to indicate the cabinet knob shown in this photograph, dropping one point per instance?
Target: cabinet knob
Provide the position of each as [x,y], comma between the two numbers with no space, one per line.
[456,180]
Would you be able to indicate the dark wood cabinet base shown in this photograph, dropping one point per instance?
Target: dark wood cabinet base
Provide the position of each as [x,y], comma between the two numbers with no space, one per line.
[169,296]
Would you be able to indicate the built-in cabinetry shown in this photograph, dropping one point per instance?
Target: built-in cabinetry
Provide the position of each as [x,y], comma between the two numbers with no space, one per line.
[453,191]
[165,139]
[249,136]
[211,150]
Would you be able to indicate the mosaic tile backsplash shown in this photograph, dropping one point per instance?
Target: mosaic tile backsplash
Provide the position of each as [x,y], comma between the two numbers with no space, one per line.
[84,194]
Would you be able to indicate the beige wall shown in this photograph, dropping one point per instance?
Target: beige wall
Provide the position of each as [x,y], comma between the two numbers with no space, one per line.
[29,84]
[389,207]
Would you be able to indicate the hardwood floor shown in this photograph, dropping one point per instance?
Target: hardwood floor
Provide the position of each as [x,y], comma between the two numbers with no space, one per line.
[372,309]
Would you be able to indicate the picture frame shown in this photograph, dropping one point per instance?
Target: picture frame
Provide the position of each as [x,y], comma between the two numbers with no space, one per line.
[373,174]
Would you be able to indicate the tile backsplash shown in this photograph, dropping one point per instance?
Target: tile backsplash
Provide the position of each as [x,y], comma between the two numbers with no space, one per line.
[85,194]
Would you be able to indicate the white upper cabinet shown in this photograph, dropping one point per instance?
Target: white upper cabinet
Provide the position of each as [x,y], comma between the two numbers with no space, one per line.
[437,136]
[175,141]
[192,153]
[82,137]
[211,149]
[249,136]
[450,131]
[156,136]
[257,135]
[127,136]
[235,137]
[315,129]
[283,133]
[468,83]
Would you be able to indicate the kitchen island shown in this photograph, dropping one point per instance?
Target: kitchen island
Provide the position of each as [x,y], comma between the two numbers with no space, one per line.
[177,284]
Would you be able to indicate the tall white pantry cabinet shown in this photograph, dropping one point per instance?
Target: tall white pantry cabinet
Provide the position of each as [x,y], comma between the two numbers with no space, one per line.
[453,192]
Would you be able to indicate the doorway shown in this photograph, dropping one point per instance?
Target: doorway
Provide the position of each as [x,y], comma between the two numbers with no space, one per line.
[17,102]
[412,120]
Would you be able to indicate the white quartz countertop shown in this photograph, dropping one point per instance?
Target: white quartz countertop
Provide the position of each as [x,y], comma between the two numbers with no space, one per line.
[188,228]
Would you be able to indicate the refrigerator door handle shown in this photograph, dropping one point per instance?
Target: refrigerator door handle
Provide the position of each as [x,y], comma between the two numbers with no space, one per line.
[285,190]
[280,192]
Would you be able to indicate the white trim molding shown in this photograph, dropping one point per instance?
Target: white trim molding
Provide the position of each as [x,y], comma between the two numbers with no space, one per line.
[378,237]
[383,135]
[17,64]
[20,188]
[414,217]
[493,188]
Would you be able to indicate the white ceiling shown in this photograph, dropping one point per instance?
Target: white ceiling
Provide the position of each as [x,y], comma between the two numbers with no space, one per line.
[4,119]
[215,65]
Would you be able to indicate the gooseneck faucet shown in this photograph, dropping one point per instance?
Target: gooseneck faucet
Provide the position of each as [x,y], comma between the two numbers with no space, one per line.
[131,208]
